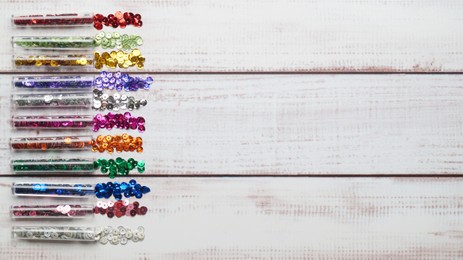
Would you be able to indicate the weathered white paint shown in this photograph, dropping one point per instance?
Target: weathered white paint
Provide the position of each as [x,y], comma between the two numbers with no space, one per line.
[277,124]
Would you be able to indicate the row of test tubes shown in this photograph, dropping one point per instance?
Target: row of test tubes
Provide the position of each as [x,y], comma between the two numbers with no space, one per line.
[34,93]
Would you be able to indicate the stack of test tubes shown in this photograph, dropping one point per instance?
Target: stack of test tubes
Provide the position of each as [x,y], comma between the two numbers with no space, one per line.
[65,111]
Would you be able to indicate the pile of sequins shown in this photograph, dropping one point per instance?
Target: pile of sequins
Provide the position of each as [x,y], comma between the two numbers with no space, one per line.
[117,19]
[119,189]
[118,143]
[116,101]
[116,40]
[119,166]
[120,235]
[119,59]
[122,121]
[122,81]
[119,208]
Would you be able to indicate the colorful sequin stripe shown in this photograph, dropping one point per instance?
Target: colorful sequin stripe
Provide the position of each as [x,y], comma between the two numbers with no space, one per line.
[118,19]
[106,80]
[119,167]
[80,190]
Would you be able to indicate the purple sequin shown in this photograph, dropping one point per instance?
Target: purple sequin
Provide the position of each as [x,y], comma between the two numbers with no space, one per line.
[122,81]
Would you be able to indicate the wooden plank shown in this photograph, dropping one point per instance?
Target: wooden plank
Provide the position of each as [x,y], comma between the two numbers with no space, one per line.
[330,218]
[277,35]
[294,124]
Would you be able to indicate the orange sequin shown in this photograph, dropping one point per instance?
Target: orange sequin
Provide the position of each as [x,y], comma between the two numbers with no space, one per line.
[117,143]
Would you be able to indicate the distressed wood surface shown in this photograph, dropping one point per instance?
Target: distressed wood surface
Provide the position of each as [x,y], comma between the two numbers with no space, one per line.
[289,125]
[276,35]
[278,125]
[262,218]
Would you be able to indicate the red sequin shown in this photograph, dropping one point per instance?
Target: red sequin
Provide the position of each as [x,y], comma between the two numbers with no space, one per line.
[98,25]
[118,209]
[116,20]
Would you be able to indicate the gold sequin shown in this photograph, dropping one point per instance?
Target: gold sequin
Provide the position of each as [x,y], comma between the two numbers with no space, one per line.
[119,59]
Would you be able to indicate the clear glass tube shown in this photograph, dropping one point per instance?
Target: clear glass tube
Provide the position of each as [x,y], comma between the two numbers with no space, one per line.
[54,82]
[53,20]
[52,165]
[53,100]
[53,42]
[84,234]
[35,189]
[52,143]
[53,122]
[52,211]
[53,61]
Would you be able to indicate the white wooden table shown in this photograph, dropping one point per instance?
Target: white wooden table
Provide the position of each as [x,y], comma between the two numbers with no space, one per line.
[279,129]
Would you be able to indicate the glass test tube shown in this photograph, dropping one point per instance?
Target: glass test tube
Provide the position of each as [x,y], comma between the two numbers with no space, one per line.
[53,42]
[52,165]
[70,60]
[76,190]
[52,211]
[54,233]
[52,122]
[53,100]
[54,82]
[53,20]
[52,143]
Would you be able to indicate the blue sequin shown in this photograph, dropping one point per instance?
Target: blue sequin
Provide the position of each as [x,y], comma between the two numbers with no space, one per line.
[145,189]
[118,190]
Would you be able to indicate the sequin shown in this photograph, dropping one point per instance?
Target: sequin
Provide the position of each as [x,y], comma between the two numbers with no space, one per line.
[122,59]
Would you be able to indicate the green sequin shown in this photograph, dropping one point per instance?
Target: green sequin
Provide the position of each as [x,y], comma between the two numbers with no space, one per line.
[115,40]
[118,167]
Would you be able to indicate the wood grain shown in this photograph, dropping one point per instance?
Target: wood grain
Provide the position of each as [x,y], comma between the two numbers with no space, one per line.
[277,125]
[261,218]
[292,125]
[277,35]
